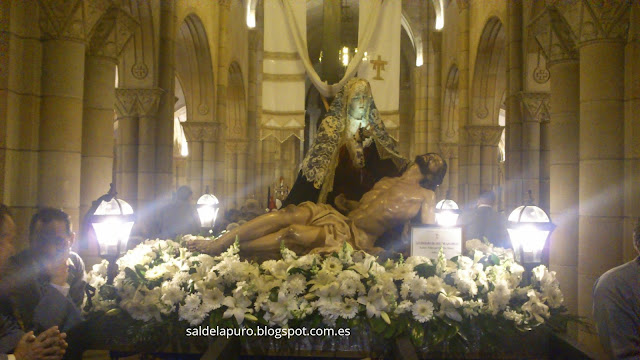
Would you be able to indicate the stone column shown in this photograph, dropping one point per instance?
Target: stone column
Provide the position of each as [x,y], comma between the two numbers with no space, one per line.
[221,97]
[236,175]
[135,145]
[63,49]
[449,152]
[564,114]
[166,81]
[463,99]
[116,27]
[564,175]
[98,138]
[515,128]
[19,112]
[632,132]
[473,141]
[545,153]
[252,125]
[331,40]
[434,108]
[483,158]
[535,107]
[242,149]
[201,138]
[601,163]
[420,112]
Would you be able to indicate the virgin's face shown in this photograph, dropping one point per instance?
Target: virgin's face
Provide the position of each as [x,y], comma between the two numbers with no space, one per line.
[357,106]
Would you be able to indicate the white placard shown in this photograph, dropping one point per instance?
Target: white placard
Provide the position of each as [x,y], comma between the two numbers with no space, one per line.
[427,241]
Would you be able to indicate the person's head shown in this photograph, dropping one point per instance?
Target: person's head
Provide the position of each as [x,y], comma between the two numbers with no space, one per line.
[433,167]
[49,230]
[358,96]
[487,198]
[183,194]
[7,236]
[636,236]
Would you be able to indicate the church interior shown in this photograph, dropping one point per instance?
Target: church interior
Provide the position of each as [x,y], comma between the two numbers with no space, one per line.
[537,101]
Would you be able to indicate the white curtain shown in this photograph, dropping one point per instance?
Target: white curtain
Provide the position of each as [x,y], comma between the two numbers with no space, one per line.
[329,90]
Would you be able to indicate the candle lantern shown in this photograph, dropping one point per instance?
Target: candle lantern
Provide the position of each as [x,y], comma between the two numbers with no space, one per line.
[207,206]
[447,213]
[112,221]
[529,227]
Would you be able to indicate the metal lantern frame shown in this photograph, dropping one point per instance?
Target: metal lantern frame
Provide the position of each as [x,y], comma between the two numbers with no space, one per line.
[122,218]
[215,206]
[548,226]
[440,210]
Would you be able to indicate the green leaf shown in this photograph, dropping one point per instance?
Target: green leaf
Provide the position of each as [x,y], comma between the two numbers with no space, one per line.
[140,270]
[417,334]
[273,295]
[425,270]
[377,324]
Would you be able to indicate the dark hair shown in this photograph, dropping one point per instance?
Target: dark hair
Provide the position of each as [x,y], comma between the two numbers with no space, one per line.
[432,179]
[636,235]
[45,216]
[487,197]
[4,211]
[183,193]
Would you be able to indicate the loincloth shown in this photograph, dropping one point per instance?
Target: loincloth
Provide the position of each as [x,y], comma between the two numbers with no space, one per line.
[337,227]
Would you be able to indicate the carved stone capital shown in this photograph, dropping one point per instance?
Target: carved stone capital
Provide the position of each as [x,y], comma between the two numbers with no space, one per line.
[536,105]
[138,102]
[237,146]
[484,135]
[462,5]
[225,4]
[554,36]
[449,150]
[281,134]
[205,131]
[62,19]
[594,20]
[112,32]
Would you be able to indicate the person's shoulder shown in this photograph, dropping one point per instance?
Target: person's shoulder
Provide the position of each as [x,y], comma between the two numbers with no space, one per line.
[618,276]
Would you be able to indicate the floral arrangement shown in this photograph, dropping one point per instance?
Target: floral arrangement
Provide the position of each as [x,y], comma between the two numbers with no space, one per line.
[436,302]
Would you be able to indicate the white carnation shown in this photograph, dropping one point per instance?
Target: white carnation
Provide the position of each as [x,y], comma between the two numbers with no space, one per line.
[422,310]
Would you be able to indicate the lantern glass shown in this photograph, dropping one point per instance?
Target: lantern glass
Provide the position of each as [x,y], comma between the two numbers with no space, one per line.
[207,210]
[112,223]
[447,213]
[529,227]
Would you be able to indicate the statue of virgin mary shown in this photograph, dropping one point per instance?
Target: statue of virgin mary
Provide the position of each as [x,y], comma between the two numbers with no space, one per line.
[351,152]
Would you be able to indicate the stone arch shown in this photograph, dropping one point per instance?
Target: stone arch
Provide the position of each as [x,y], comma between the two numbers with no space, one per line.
[194,68]
[236,104]
[489,81]
[138,61]
[450,106]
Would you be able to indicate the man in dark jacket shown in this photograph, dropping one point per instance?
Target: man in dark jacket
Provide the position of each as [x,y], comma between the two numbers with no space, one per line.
[15,343]
[484,222]
[48,279]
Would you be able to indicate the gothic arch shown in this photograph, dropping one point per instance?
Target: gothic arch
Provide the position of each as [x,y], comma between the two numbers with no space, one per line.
[236,104]
[450,107]
[138,61]
[489,81]
[236,186]
[194,68]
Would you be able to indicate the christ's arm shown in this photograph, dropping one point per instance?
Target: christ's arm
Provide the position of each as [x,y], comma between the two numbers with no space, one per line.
[427,210]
